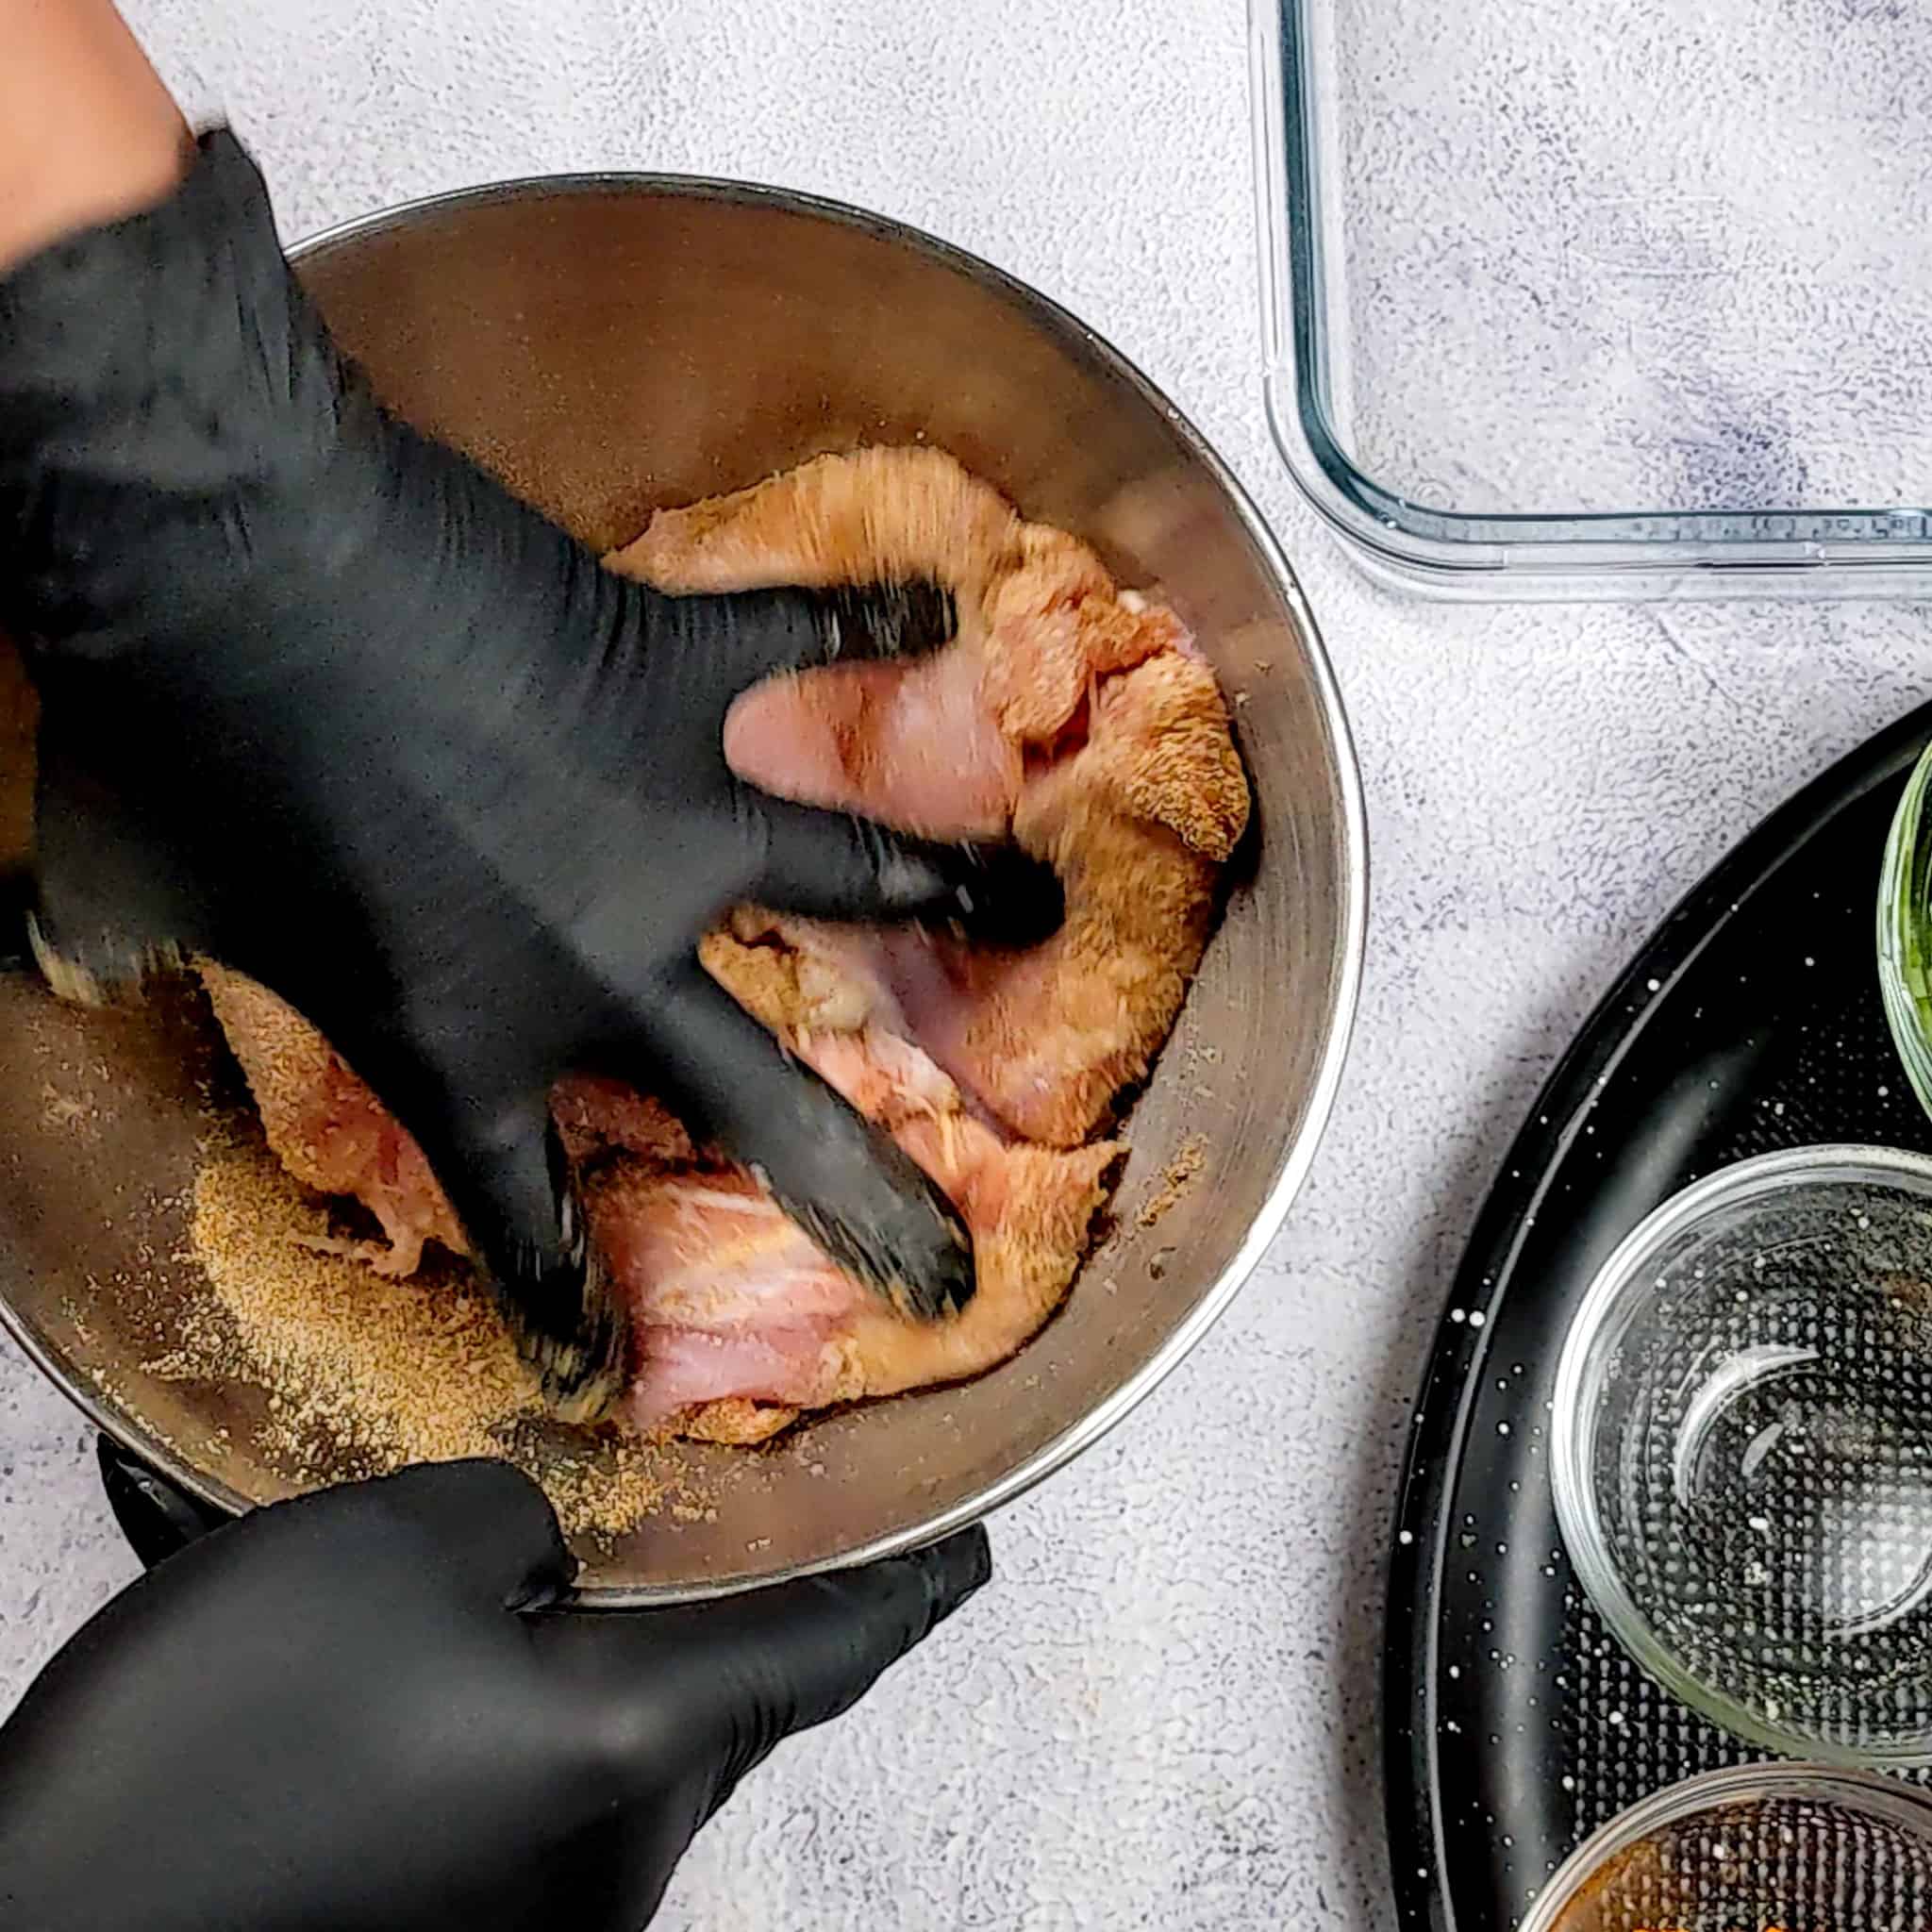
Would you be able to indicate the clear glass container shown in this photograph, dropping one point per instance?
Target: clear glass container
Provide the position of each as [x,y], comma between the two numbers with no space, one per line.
[1613,298]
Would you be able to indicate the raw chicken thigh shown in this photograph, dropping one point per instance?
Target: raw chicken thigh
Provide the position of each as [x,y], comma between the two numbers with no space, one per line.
[1070,714]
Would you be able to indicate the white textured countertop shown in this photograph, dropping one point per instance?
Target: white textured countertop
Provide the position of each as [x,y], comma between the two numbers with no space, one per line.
[1164,1710]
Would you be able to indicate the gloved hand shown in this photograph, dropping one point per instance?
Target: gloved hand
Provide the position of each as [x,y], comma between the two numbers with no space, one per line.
[359,1710]
[322,700]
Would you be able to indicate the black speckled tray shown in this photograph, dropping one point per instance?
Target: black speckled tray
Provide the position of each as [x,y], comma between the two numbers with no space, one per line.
[1515,1725]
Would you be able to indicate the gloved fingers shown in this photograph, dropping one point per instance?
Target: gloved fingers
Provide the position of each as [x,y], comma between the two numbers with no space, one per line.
[854,1190]
[488,1531]
[733,1678]
[766,632]
[16,920]
[491,1528]
[508,1178]
[110,901]
[831,865]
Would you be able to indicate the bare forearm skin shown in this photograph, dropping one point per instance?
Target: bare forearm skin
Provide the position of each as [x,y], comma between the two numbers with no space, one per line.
[87,129]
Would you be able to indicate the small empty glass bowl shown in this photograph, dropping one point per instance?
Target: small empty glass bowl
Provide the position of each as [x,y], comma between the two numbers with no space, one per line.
[1904,932]
[1742,1451]
[1764,1848]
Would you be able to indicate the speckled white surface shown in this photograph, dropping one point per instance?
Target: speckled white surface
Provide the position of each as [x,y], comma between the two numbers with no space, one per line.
[1163,1712]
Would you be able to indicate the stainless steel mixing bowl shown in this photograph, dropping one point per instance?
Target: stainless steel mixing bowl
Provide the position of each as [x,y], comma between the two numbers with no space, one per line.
[611,345]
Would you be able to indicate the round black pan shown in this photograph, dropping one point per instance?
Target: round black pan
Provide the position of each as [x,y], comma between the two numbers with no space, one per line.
[1514,1725]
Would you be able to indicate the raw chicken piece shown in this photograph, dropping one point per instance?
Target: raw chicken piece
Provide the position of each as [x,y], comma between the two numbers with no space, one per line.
[831,1341]
[1077,718]
[938,747]
[1128,778]
[326,1127]
[1046,1040]
[731,1296]
[741,1320]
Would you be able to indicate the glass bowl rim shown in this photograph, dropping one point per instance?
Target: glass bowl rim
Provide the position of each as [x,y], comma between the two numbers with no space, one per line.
[1616,1292]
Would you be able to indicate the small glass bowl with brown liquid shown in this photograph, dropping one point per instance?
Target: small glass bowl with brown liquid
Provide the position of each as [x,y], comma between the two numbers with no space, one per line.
[1759,1848]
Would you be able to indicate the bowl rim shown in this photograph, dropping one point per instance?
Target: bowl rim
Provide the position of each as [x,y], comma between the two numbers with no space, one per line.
[1347,963]
[1615,1294]
[1864,1791]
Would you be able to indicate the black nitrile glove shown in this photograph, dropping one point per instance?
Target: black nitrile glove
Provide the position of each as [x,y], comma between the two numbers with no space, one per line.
[157,1518]
[322,700]
[359,1710]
